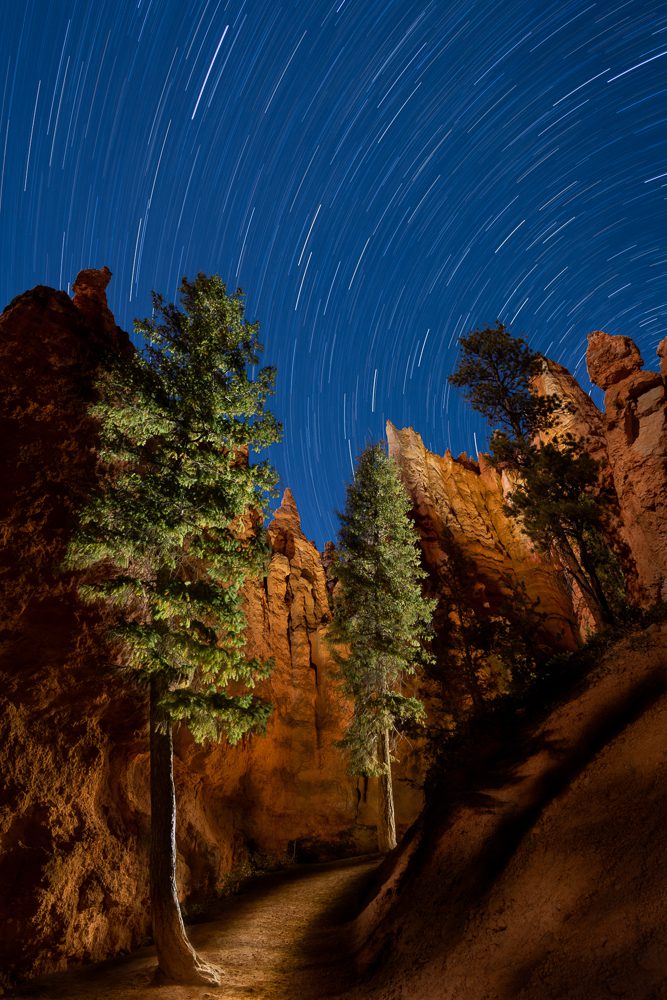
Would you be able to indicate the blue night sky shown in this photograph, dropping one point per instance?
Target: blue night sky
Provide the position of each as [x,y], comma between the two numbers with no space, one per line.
[379,177]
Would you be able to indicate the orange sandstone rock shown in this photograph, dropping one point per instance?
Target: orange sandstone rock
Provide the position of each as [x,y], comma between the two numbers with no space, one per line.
[465,498]
[73,731]
[610,359]
[636,436]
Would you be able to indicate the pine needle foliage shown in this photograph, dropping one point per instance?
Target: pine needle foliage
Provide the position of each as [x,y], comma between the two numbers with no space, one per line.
[557,498]
[495,373]
[381,622]
[175,526]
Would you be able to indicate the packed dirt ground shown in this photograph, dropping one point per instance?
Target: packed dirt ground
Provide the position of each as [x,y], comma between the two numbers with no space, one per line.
[286,936]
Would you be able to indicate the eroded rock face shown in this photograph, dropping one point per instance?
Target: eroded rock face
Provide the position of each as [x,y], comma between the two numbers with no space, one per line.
[74,793]
[636,439]
[69,858]
[611,359]
[661,351]
[463,499]
[578,415]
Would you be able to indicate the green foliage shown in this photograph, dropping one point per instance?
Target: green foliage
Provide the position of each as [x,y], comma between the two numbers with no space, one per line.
[495,372]
[557,496]
[380,620]
[175,526]
[564,479]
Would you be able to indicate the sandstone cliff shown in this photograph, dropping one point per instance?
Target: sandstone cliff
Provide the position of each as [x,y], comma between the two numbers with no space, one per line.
[635,429]
[462,500]
[73,742]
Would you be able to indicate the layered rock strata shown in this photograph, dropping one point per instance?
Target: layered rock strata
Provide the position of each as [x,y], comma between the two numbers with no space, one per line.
[461,501]
[74,792]
[635,428]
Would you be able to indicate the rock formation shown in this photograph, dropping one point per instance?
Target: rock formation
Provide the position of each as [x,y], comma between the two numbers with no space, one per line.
[462,499]
[73,754]
[577,415]
[73,760]
[635,426]
[69,856]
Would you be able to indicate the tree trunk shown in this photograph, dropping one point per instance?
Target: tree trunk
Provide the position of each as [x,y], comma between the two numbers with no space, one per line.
[572,564]
[588,564]
[177,959]
[386,819]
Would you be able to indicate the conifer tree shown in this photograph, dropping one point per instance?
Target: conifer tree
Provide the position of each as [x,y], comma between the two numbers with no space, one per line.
[556,498]
[169,538]
[495,372]
[380,622]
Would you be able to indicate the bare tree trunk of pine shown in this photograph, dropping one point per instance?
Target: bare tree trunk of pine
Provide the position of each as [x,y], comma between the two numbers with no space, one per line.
[177,959]
[386,818]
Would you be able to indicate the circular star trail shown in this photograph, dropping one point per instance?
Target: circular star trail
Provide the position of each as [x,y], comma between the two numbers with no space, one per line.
[379,176]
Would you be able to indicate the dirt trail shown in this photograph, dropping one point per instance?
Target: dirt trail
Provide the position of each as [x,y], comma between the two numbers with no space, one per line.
[286,936]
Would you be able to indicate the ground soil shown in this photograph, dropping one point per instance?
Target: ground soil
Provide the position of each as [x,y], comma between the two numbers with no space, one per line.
[285,936]
[543,876]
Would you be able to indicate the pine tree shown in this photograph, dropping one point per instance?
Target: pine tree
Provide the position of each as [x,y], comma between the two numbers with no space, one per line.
[558,503]
[488,642]
[556,496]
[168,539]
[495,372]
[380,622]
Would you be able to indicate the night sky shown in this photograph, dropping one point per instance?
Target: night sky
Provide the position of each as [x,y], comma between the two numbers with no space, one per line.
[379,176]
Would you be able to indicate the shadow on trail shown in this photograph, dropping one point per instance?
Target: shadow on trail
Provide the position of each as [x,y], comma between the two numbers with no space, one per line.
[328,944]
[284,935]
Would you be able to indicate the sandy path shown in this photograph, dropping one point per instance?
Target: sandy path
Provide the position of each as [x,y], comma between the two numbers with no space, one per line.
[286,936]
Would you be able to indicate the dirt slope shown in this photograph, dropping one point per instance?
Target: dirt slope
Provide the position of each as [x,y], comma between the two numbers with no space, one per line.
[548,880]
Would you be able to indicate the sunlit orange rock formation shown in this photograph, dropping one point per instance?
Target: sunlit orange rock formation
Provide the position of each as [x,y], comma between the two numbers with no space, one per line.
[73,740]
[635,427]
[463,499]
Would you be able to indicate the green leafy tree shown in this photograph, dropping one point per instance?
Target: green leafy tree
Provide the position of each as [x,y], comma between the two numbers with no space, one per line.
[556,497]
[380,622]
[169,539]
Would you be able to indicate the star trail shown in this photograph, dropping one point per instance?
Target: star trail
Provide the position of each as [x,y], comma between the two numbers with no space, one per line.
[379,178]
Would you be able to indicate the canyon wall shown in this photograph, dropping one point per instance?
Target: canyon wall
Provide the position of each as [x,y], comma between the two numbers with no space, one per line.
[635,429]
[73,741]
[74,792]
[461,501]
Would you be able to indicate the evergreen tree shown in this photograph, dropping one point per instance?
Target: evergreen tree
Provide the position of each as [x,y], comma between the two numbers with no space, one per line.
[169,538]
[558,503]
[495,372]
[556,497]
[380,621]
[488,644]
